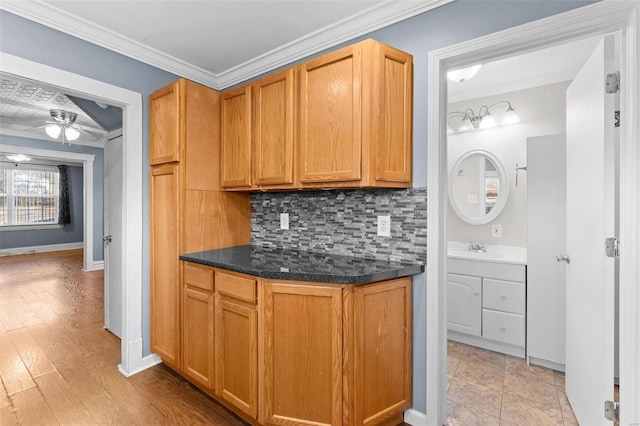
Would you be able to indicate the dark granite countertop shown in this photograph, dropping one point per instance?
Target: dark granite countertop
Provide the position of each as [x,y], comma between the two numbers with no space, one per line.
[297,265]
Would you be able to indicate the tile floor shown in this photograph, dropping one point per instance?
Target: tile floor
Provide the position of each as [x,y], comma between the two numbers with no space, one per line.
[489,388]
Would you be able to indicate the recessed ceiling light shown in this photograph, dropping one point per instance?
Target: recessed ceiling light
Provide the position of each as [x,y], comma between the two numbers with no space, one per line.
[463,74]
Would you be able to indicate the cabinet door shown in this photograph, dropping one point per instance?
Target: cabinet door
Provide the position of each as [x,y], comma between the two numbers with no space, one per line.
[237,354]
[382,318]
[198,337]
[235,129]
[330,117]
[165,267]
[391,129]
[302,351]
[273,129]
[165,125]
[464,304]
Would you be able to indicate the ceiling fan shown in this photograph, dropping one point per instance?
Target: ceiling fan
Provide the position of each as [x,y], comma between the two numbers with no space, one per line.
[63,126]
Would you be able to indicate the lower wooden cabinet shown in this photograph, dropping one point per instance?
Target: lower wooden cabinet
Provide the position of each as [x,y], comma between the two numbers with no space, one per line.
[237,350]
[293,352]
[302,331]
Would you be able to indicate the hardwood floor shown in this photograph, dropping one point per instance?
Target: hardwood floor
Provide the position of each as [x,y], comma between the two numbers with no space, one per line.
[58,364]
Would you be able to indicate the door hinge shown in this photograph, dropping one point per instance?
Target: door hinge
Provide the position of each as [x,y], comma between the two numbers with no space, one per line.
[612,411]
[612,82]
[612,247]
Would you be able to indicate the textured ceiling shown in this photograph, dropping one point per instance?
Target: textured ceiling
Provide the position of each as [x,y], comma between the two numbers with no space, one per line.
[24,111]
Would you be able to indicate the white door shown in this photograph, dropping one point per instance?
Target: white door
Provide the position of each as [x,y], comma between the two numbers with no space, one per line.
[113,249]
[590,219]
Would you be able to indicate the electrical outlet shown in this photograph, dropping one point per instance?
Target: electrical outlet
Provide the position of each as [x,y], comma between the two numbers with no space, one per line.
[284,220]
[496,231]
[472,198]
[384,226]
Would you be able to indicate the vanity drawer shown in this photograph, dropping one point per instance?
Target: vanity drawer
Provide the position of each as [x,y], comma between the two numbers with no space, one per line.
[236,286]
[503,327]
[198,276]
[505,296]
[495,270]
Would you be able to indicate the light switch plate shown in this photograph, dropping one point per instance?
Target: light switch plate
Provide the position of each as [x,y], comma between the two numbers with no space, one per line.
[472,198]
[384,226]
[284,220]
[496,231]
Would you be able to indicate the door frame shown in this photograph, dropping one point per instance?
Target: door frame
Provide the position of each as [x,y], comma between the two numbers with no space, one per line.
[599,18]
[132,359]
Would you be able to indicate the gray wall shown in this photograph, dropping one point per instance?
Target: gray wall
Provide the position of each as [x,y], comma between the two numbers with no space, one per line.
[70,233]
[98,189]
[455,22]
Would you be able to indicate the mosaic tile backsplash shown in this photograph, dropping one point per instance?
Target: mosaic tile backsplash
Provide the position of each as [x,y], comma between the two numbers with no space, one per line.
[344,222]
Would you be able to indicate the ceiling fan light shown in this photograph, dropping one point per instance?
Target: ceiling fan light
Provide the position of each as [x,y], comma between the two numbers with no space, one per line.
[71,134]
[53,131]
[463,74]
[488,122]
[510,117]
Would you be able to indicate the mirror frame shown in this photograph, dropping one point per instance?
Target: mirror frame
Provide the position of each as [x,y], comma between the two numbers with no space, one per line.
[502,197]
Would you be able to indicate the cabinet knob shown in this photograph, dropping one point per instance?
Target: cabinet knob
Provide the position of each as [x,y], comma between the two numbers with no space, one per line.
[503,297]
[503,329]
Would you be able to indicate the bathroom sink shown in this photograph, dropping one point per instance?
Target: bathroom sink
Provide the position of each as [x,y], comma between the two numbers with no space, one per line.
[493,253]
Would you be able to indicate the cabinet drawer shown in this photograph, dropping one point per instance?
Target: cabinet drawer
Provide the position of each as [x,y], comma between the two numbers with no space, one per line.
[236,286]
[503,296]
[198,276]
[481,268]
[503,327]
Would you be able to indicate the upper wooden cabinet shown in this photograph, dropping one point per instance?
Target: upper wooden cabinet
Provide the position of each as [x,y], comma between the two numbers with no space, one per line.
[343,119]
[258,134]
[165,131]
[356,118]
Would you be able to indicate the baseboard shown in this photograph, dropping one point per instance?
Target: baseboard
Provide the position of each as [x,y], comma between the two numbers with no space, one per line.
[146,362]
[40,249]
[415,418]
[546,363]
[96,265]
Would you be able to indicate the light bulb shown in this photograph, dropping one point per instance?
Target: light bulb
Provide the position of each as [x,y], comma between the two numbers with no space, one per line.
[53,131]
[71,134]
[449,129]
[488,122]
[510,117]
[465,126]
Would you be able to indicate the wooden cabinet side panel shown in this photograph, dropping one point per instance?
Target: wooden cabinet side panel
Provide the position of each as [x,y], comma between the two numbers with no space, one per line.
[235,119]
[198,336]
[330,136]
[202,145]
[392,116]
[382,319]
[302,327]
[236,354]
[165,126]
[214,219]
[273,134]
[164,252]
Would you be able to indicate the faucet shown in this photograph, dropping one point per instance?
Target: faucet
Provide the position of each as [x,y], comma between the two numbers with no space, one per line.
[477,247]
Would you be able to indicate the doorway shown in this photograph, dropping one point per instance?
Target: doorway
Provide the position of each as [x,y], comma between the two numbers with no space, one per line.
[132,359]
[596,19]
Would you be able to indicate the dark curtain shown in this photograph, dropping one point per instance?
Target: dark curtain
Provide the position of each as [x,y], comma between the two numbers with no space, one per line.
[64,214]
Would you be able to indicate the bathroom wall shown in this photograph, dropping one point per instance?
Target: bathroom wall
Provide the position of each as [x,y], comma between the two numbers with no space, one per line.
[542,112]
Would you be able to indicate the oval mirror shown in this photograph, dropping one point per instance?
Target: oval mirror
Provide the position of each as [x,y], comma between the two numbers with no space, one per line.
[478,187]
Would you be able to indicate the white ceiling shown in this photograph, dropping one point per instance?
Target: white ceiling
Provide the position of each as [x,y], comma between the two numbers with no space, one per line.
[538,68]
[218,42]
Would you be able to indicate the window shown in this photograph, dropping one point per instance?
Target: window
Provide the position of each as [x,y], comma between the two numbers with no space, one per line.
[28,196]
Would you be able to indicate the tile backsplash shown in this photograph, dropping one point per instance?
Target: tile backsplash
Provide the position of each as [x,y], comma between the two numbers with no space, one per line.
[344,222]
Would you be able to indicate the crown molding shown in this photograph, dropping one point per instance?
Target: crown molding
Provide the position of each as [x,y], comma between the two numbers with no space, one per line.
[374,18]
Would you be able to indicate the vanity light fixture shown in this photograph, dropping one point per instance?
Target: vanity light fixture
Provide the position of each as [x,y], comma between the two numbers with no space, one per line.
[63,125]
[484,119]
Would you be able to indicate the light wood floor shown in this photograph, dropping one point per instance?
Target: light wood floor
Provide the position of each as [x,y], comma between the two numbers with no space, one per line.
[58,365]
[489,388]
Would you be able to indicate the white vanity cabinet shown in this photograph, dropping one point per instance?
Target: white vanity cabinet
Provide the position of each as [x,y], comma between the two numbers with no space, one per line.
[486,305]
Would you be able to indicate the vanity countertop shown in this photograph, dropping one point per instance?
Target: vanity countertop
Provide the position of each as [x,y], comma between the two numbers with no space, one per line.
[286,264]
[494,253]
